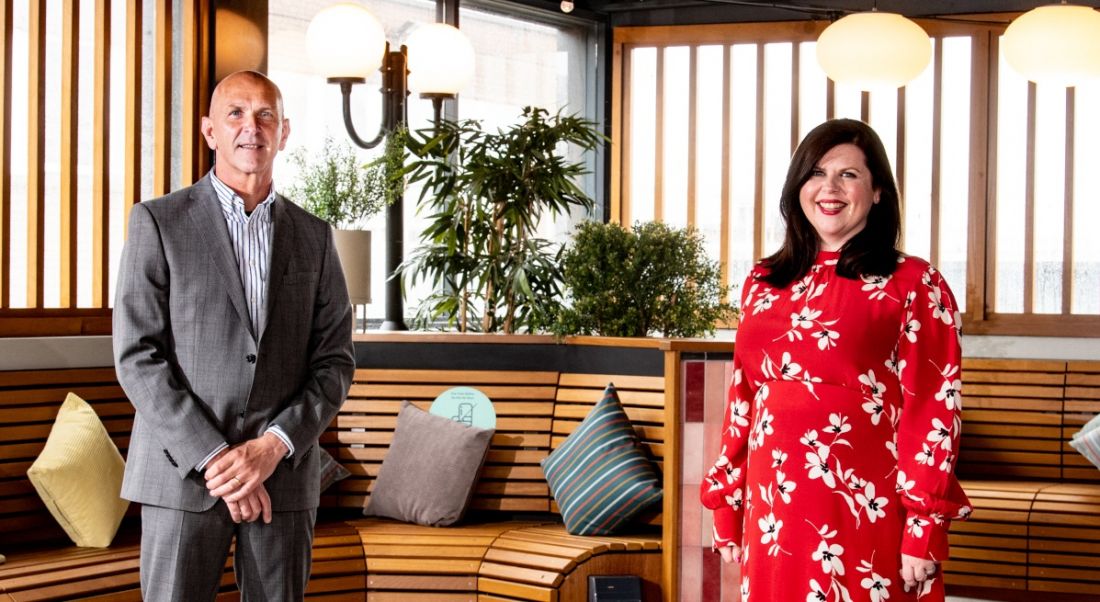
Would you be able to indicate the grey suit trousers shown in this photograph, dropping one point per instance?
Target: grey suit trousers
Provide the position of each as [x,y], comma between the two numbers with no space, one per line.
[183,554]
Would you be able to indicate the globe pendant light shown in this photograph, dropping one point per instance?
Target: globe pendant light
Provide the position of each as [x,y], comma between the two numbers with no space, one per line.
[873,50]
[1057,44]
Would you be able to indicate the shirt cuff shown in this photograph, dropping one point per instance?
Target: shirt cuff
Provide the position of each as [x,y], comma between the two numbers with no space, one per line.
[202,465]
[281,434]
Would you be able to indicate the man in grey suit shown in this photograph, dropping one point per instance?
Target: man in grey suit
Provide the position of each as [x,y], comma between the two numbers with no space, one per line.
[232,338]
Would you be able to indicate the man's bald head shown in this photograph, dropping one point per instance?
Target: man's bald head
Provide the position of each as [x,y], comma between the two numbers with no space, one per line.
[254,77]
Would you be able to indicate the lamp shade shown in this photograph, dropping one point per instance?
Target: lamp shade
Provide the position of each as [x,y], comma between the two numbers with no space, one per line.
[873,50]
[345,40]
[441,59]
[1057,44]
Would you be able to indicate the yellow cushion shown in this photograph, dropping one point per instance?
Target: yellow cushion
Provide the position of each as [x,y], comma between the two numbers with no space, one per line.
[79,476]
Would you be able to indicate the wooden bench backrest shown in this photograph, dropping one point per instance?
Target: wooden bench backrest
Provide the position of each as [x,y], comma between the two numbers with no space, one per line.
[1012,419]
[511,479]
[643,399]
[1082,404]
[29,401]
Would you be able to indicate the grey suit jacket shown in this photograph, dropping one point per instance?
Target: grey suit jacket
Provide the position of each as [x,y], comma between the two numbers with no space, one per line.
[187,358]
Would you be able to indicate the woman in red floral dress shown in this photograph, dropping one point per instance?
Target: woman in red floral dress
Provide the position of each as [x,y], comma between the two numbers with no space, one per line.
[836,477]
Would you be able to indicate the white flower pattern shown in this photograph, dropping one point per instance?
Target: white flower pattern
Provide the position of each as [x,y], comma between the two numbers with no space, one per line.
[807,358]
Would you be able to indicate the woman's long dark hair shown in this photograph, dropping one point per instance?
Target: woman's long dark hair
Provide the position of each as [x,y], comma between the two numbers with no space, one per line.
[873,250]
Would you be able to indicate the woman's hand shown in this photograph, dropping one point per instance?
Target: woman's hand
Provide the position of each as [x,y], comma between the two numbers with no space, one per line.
[730,553]
[916,570]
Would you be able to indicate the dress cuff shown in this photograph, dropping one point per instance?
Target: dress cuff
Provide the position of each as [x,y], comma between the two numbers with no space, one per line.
[281,434]
[924,538]
[727,523]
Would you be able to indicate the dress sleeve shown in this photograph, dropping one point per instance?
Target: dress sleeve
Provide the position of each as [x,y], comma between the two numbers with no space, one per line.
[722,490]
[928,366]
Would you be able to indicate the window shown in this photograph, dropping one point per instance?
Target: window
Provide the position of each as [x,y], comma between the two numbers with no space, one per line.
[520,60]
[992,170]
[95,113]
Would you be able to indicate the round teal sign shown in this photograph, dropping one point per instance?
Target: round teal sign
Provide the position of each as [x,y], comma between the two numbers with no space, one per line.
[466,405]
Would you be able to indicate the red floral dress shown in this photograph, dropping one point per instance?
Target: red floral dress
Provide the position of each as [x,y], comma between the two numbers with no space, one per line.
[840,438]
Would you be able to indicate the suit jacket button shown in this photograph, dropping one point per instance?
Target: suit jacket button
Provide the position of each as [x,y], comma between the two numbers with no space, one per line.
[250,358]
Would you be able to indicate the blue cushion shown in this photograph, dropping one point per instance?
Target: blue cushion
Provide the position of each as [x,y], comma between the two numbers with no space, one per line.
[600,477]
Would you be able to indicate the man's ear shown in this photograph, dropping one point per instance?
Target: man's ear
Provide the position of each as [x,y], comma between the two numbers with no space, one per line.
[206,126]
[286,133]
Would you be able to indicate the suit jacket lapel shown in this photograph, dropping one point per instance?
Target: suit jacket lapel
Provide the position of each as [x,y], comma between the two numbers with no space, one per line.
[282,245]
[208,218]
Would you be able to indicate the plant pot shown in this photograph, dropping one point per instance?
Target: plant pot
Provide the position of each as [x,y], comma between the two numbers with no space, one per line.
[353,247]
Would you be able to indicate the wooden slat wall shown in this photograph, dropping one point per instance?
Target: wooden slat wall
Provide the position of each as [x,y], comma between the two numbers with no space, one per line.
[1026,394]
[511,479]
[980,317]
[1082,404]
[6,27]
[191,83]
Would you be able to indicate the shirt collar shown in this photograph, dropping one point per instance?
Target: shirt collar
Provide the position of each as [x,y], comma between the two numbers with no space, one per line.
[233,205]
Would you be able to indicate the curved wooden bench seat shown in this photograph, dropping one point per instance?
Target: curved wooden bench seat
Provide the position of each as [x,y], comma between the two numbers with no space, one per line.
[990,550]
[545,563]
[1064,529]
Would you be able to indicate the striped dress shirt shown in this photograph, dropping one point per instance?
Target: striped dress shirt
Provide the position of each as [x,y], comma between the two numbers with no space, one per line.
[251,237]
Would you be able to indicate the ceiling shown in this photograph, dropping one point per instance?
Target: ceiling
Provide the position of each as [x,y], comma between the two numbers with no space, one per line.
[683,12]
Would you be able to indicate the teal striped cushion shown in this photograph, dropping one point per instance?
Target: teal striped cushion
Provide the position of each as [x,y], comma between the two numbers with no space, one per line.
[599,476]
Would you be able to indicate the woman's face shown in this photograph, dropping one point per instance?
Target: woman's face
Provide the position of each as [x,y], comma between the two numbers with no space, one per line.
[838,196]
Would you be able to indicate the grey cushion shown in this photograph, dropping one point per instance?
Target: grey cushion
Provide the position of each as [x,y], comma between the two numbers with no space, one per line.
[331,470]
[430,470]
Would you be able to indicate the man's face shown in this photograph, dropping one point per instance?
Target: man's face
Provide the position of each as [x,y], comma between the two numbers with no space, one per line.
[245,128]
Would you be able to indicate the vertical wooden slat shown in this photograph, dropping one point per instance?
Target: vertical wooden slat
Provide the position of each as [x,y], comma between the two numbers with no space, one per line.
[101,147]
[724,228]
[162,111]
[134,57]
[693,119]
[1067,237]
[796,60]
[670,526]
[659,140]
[36,152]
[194,92]
[990,207]
[937,152]
[979,151]
[758,201]
[618,116]
[70,108]
[625,209]
[6,28]
[1029,201]
[899,163]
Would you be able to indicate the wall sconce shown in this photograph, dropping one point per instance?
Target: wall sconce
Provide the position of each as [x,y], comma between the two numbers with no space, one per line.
[346,44]
[873,50]
[1057,44]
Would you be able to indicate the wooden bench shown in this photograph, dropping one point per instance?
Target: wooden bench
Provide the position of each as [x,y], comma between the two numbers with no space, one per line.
[1036,522]
[535,412]
[512,547]
[42,564]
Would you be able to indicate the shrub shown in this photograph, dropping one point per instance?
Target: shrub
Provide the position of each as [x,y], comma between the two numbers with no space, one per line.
[632,283]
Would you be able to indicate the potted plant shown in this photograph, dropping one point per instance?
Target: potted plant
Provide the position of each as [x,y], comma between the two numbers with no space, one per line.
[485,194]
[632,283]
[336,187]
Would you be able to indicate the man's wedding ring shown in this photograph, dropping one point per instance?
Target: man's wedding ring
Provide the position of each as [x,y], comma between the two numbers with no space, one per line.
[238,481]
